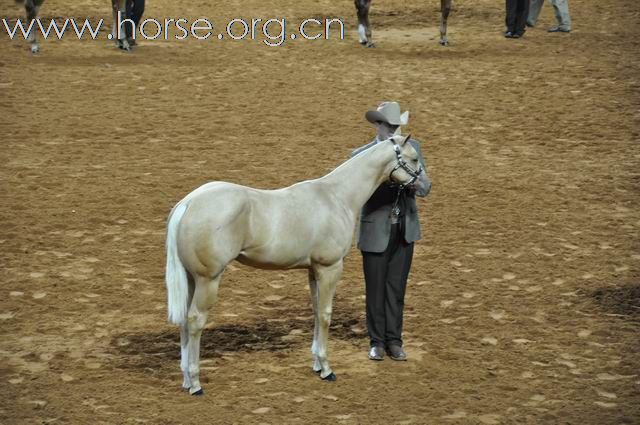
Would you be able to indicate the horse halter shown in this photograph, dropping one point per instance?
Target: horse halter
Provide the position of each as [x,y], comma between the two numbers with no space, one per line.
[403,164]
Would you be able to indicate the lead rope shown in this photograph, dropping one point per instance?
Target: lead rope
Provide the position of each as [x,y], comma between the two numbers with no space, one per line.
[395,210]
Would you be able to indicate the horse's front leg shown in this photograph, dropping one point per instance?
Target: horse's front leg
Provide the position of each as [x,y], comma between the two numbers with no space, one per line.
[445,8]
[118,32]
[313,288]
[327,277]
[32,8]
[364,28]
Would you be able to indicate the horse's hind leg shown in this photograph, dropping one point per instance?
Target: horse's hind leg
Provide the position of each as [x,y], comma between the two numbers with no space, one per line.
[313,288]
[32,7]
[184,356]
[204,295]
[184,341]
[327,277]
[445,9]
[364,27]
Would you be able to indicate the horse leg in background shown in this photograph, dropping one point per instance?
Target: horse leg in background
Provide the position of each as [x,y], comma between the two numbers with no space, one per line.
[135,9]
[327,277]
[204,296]
[364,27]
[445,8]
[184,340]
[119,35]
[313,287]
[32,7]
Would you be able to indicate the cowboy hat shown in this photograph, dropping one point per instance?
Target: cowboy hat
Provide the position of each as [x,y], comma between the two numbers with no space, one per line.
[388,112]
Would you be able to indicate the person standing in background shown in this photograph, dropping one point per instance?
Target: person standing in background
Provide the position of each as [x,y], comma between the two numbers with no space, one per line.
[561,8]
[517,12]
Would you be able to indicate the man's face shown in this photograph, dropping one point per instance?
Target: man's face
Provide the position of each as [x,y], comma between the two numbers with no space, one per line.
[385,130]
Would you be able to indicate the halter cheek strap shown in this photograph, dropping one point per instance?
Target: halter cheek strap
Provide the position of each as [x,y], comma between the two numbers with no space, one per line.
[395,209]
[403,164]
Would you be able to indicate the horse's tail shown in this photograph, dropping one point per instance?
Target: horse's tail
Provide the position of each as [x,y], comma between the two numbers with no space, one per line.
[176,274]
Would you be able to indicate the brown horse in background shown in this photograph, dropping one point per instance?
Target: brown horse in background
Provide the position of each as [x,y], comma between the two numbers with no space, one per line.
[125,38]
[32,7]
[364,28]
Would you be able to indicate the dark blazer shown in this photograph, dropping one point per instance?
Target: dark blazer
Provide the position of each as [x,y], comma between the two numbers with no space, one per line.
[375,217]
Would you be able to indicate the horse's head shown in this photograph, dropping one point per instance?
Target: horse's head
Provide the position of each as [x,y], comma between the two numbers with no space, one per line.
[406,169]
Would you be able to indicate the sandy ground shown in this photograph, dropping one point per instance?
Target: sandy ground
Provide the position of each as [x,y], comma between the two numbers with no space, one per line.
[523,303]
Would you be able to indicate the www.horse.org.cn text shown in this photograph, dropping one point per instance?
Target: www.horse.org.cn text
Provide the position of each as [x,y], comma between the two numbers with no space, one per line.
[272,32]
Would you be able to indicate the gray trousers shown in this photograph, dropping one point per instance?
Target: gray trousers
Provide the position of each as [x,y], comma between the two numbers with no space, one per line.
[385,276]
[561,8]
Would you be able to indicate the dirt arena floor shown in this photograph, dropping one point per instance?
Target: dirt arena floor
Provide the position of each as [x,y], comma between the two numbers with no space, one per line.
[523,302]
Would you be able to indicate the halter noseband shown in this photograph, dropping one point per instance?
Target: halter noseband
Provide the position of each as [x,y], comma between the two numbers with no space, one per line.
[403,164]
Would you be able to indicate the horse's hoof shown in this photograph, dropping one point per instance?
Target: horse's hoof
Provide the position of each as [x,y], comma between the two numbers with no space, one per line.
[124,45]
[35,49]
[330,377]
[444,43]
[199,392]
[363,42]
[317,372]
[371,45]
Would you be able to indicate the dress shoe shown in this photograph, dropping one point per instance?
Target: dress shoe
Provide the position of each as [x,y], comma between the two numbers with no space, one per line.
[376,352]
[518,35]
[529,24]
[396,353]
[508,34]
[557,28]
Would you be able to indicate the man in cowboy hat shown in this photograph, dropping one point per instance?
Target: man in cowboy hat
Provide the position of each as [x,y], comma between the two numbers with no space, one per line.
[388,228]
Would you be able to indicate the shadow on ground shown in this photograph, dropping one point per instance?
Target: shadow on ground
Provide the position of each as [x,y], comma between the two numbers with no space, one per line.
[624,300]
[155,350]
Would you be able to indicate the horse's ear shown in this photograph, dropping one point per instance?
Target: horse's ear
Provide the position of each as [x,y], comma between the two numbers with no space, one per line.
[406,139]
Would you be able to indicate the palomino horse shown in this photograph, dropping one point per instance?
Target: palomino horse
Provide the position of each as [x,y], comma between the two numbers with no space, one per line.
[364,28]
[308,225]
